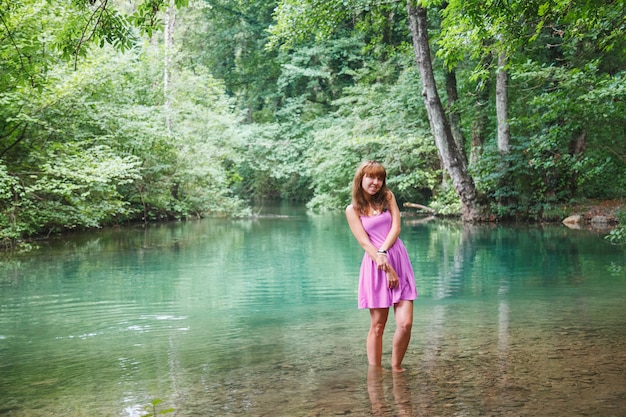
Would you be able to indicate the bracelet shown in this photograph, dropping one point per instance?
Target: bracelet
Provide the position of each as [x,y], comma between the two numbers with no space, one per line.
[382,252]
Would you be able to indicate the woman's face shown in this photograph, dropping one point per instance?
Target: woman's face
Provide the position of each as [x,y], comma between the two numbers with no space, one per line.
[371,184]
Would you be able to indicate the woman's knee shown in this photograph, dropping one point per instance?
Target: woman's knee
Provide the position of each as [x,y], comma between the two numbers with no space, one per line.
[404,316]
[377,327]
[378,319]
[405,325]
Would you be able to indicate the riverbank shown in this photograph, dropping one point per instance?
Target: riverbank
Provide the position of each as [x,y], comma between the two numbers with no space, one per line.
[592,214]
[603,215]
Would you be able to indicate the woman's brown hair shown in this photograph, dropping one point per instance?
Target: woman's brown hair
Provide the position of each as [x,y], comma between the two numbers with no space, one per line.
[370,169]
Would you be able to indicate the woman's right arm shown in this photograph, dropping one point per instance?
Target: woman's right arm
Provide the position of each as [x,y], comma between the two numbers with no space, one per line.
[363,238]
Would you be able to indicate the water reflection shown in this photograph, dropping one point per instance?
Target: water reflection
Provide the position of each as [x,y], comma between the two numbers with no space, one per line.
[503,334]
[400,389]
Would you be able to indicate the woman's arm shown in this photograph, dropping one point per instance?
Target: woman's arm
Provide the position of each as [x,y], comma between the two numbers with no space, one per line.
[364,240]
[359,232]
[394,232]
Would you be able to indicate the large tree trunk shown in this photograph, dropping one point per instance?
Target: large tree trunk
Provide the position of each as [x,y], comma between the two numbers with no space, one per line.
[502,105]
[504,132]
[451,155]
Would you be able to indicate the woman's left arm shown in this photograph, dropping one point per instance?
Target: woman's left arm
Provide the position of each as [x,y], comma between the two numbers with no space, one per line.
[394,232]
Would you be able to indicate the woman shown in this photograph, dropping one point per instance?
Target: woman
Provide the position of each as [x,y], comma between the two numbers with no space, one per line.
[386,277]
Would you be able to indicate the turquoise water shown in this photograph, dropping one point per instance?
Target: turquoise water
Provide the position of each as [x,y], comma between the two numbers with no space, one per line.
[258,317]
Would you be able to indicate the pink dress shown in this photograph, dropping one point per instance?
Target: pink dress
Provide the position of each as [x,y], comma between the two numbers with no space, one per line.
[373,291]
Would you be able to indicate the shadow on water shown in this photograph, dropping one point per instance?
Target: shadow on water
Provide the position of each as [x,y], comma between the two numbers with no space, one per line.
[258,317]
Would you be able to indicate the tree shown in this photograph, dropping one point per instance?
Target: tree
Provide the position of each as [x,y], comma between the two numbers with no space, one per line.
[451,155]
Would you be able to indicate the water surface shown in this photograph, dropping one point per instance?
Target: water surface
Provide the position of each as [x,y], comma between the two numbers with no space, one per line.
[258,317]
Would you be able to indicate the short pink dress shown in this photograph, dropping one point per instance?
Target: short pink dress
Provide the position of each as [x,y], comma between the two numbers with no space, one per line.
[373,291]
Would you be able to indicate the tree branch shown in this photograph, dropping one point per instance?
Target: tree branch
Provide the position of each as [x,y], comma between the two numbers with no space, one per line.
[18,140]
[102,8]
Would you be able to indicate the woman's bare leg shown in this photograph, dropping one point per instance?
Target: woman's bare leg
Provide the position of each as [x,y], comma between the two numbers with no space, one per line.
[401,338]
[378,319]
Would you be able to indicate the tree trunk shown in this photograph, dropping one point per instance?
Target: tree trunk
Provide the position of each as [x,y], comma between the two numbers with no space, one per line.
[502,106]
[452,158]
[453,115]
[170,19]
[504,133]
[479,124]
[577,148]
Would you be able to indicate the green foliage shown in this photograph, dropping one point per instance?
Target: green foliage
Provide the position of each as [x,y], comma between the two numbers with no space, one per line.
[92,146]
[152,408]
[271,162]
[567,117]
[574,105]
[283,159]
[566,98]
[373,122]
[182,164]
[617,236]
[299,22]
[342,95]
[229,37]
[73,186]
[306,20]
[257,108]
[446,202]
[30,27]
[97,24]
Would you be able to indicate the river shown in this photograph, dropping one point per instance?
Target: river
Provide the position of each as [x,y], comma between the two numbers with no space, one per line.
[258,317]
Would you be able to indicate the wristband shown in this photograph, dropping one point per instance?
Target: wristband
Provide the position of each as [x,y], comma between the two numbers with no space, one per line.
[383,252]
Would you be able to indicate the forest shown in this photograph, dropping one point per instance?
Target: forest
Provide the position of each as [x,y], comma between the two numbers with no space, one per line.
[119,111]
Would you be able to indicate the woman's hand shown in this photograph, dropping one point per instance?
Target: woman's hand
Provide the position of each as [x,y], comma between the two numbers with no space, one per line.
[392,279]
[382,262]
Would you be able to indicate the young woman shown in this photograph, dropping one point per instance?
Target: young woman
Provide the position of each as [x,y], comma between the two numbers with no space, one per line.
[386,276]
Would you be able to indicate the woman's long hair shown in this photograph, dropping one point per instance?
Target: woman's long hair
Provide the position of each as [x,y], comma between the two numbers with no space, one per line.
[371,169]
